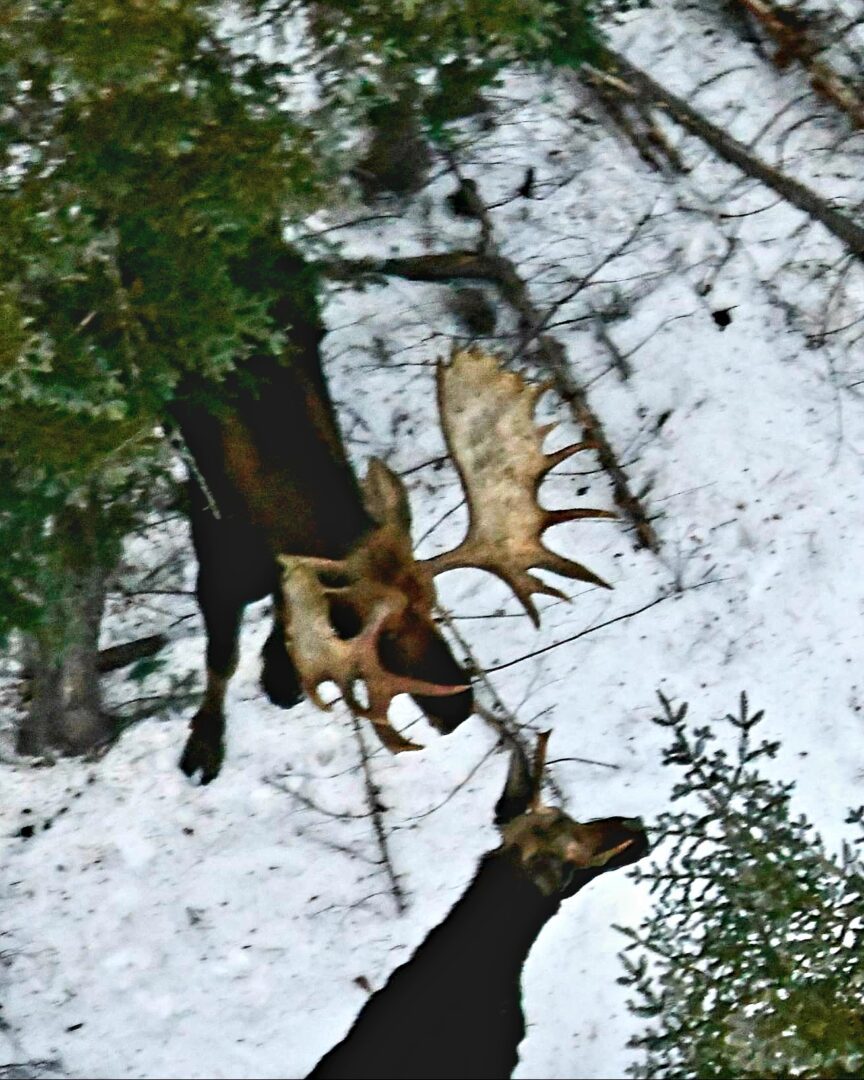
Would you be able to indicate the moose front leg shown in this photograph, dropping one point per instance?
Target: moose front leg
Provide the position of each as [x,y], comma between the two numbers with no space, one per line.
[205,747]
[279,678]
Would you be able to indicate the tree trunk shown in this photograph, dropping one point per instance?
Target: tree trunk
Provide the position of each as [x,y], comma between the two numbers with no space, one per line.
[64,711]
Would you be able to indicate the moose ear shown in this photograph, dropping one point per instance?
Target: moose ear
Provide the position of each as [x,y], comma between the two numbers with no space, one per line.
[519,789]
[524,780]
[385,496]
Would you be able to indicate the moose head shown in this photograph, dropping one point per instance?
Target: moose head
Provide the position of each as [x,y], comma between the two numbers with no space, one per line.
[275,507]
[555,853]
[344,615]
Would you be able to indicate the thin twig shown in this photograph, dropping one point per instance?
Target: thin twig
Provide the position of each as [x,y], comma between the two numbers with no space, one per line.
[584,761]
[310,804]
[597,626]
[376,812]
[497,715]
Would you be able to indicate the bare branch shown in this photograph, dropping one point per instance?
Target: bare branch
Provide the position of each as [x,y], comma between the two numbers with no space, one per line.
[376,812]
[642,86]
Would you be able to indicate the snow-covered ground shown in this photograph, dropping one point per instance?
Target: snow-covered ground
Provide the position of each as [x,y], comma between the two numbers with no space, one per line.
[149,928]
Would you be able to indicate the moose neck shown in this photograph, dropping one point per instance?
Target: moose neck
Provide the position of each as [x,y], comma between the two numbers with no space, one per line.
[285,458]
[454,1009]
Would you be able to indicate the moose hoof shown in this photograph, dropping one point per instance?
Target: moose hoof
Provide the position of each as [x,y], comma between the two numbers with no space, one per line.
[202,757]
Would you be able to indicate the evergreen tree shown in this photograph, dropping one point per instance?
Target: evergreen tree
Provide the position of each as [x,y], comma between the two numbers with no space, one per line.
[140,159]
[751,963]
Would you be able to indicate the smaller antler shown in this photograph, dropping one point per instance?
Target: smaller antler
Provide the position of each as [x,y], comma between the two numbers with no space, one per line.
[321,655]
[488,419]
[551,847]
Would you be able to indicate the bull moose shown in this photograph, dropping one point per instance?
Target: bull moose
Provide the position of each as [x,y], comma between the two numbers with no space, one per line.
[276,509]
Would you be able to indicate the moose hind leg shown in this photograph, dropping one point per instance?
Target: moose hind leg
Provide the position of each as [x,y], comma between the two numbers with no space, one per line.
[205,747]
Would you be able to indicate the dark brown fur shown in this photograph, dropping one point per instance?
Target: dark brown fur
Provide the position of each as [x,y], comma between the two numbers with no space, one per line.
[454,1009]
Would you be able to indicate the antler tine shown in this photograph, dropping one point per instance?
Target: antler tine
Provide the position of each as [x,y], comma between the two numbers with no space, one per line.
[487,415]
[558,564]
[561,517]
[357,659]
[525,584]
[525,587]
[557,456]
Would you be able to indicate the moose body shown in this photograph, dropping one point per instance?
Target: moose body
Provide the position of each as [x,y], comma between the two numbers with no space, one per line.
[271,478]
[454,1009]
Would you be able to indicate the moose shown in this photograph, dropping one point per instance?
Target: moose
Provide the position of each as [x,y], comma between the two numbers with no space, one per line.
[275,508]
[454,1008]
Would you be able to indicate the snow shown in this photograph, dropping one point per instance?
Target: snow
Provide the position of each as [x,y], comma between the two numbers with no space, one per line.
[152,928]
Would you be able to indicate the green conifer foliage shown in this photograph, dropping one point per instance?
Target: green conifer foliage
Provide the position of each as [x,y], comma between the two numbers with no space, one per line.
[751,963]
[446,50]
[139,159]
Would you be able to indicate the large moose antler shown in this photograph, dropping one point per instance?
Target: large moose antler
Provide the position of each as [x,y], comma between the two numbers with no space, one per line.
[340,610]
[488,419]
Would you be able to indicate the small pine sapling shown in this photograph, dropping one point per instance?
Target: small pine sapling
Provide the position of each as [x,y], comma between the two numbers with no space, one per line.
[751,963]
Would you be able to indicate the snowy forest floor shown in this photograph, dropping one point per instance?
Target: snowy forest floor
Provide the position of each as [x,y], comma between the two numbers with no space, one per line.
[150,928]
